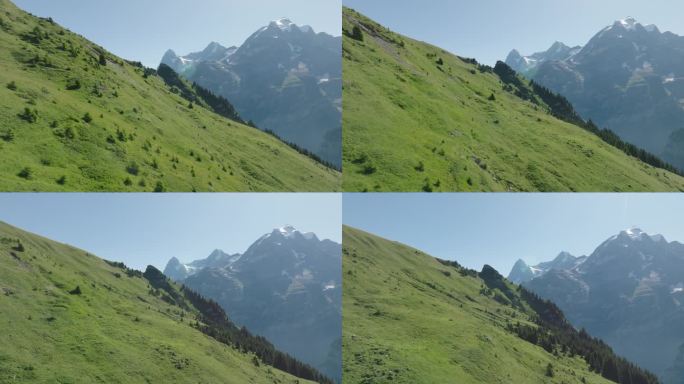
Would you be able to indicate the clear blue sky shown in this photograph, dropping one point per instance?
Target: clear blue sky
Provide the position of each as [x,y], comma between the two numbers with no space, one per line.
[488,29]
[498,229]
[143,30]
[143,229]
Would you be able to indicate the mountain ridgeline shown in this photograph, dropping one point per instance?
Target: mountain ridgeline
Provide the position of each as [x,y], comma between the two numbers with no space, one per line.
[628,78]
[629,292]
[412,318]
[77,118]
[418,118]
[285,287]
[72,317]
[284,78]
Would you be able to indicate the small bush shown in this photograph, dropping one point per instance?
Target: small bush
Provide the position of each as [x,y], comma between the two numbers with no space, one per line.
[102,60]
[133,168]
[368,169]
[61,180]
[87,118]
[25,173]
[420,167]
[7,136]
[159,187]
[29,115]
[128,182]
[550,371]
[73,84]
[426,186]
[75,291]
[12,86]
[491,97]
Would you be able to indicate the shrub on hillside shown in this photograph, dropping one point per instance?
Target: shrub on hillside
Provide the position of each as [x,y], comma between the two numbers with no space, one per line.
[29,115]
[25,173]
[73,84]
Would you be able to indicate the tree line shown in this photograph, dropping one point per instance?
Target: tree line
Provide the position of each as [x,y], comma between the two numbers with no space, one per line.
[561,108]
[213,321]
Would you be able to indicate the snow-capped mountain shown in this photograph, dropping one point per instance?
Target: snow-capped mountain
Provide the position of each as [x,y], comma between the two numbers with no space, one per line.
[287,287]
[285,78]
[527,65]
[628,292]
[522,273]
[629,78]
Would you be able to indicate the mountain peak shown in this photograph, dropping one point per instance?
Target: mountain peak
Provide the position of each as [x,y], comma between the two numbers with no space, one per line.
[283,24]
[627,23]
[635,233]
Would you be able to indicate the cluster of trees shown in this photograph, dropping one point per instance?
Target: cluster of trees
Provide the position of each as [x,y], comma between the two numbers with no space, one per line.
[214,322]
[218,104]
[499,288]
[130,272]
[555,334]
[301,150]
[514,83]
[463,271]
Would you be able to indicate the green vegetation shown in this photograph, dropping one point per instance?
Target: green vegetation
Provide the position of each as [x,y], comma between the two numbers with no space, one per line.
[411,318]
[407,102]
[70,317]
[91,114]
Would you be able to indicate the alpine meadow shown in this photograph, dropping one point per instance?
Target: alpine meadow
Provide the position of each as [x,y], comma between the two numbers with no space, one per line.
[75,117]
[418,118]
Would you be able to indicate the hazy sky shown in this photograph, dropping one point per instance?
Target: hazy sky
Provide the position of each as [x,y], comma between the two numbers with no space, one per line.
[142,30]
[488,29]
[498,229]
[143,229]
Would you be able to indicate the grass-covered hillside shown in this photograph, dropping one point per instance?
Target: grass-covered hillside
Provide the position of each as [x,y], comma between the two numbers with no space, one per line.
[410,318]
[70,317]
[74,117]
[417,118]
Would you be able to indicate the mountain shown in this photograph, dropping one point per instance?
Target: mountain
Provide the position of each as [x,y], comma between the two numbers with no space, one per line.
[411,318]
[285,78]
[522,273]
[287,287]
[527,65]
[70,317]
[75,117]
[418,118]
[629,292]
[629,78]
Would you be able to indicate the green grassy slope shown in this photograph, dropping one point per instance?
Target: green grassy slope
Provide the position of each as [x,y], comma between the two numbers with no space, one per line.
[141,133]
[419,118]
[407,318]
[115,331]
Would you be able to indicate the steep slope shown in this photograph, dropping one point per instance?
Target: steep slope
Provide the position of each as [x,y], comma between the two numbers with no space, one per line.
[418,118]
[285,78]
[74,117]
[410,318]
[71,317]
[287,287]
[630,293]
[629,78]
